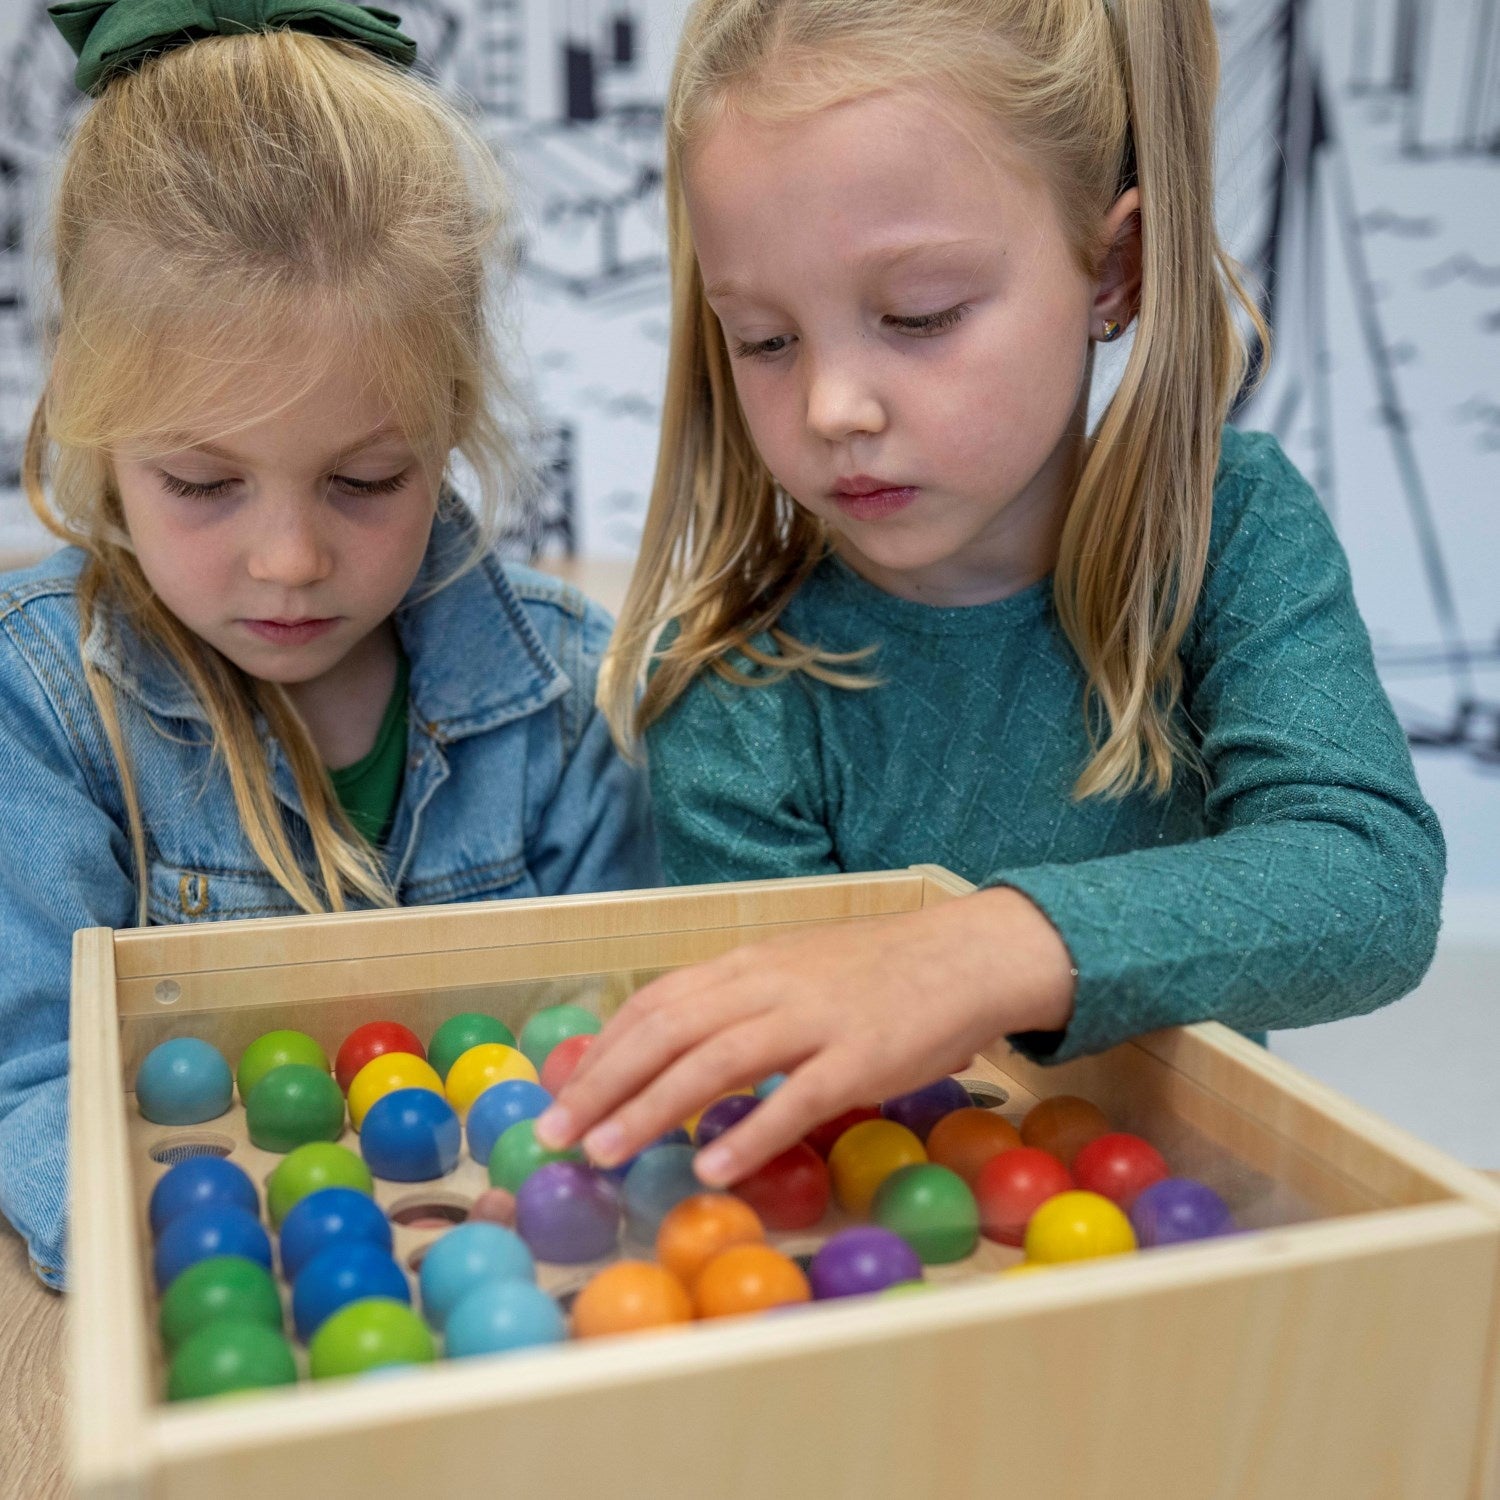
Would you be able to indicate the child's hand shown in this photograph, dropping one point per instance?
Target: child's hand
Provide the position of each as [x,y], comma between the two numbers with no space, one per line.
[853,1014]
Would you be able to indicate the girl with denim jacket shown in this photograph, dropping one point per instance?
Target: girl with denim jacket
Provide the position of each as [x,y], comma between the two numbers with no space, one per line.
[277,667]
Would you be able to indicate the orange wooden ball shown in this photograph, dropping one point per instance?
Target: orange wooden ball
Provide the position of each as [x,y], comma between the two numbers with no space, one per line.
[629,1296]
[1064,1125]
[966,1139]
[747,1279]
[700,1227]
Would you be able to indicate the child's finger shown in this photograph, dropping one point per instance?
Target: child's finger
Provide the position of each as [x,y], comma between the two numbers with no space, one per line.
[687,985]
[680,984]
[813,1093]
[719,1063]
[657,1040]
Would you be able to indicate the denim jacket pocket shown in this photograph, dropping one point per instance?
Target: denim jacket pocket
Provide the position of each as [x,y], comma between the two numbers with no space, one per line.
[209,894]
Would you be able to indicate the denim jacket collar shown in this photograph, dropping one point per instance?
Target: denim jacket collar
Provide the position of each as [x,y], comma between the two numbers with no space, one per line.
[476,659]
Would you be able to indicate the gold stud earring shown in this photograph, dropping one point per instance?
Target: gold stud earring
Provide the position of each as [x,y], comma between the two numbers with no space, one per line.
[1111,331]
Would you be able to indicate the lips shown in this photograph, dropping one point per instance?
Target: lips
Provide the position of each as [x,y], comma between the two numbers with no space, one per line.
[866,499]
[290,632]
[862,484]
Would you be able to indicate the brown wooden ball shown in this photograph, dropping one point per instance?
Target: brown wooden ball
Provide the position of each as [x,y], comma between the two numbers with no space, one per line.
[1064,1125]
[965,1140]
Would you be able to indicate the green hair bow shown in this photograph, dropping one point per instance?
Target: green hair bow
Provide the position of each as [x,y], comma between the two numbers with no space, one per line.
[111,36]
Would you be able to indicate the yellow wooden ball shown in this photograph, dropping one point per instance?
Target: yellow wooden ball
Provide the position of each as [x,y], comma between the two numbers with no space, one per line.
[865,1155]
[482,1067]
[384,1075]
[1077,1226]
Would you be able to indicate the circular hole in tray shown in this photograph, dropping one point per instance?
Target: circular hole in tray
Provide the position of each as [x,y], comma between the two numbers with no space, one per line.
[428,1212]
[174,1149]
[566,1296]
[983,1094]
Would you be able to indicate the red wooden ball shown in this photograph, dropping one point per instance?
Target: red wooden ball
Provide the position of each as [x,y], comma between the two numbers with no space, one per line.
[822,1137]
[791,1191]
[374,1039]
[563,1059]
[1119,1166]
[1012,1186]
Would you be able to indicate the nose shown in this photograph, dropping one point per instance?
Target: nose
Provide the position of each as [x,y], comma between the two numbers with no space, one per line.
[287,547]
[843,400]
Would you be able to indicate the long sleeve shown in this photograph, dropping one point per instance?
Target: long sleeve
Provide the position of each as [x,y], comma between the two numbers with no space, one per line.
[79,877]
[736,784]
[1316,894]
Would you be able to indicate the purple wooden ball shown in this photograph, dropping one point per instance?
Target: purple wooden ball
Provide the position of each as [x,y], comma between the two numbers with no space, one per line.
[861,1260]
[1176,1210]
[568,1213]
[723,1114]
[921,1109]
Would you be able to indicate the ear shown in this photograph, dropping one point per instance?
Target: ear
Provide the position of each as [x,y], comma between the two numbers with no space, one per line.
[1118,287]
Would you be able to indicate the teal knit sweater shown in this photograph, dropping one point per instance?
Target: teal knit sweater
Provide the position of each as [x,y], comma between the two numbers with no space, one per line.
[1300,884]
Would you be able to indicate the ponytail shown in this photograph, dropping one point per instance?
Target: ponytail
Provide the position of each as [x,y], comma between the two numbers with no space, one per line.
[1135,543]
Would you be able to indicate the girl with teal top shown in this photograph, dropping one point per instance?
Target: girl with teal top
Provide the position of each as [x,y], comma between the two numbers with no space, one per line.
[897,604]
[277,668]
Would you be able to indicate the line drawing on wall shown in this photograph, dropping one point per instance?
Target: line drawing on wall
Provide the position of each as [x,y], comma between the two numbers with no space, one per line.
[1398,113]
[1359,184]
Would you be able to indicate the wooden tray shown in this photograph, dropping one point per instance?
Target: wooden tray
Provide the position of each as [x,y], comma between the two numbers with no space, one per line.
[1345,1349]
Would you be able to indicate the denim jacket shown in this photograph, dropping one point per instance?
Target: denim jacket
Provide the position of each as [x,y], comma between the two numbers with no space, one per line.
[512,788]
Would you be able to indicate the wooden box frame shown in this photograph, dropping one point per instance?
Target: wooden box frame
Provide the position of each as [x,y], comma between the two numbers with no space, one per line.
[1348,1357]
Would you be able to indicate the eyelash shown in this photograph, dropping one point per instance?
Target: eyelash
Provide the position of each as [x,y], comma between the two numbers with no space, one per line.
[924,326]
[930,323]
[190,491]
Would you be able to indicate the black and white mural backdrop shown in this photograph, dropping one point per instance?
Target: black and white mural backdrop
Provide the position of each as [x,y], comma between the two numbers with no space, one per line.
[1359,183]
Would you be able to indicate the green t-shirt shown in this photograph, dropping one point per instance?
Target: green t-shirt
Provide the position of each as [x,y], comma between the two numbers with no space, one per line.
[368,789]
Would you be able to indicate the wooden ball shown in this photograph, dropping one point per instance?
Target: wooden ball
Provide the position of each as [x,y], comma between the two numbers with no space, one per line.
[1063,1126]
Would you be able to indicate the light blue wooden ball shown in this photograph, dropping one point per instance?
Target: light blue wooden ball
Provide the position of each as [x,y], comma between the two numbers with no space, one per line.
[183,1082]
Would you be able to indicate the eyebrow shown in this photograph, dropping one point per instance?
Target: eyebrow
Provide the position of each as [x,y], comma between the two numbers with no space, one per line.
[889,258]
[380,435]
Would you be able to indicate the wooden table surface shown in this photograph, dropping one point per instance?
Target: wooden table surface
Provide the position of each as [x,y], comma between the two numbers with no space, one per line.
[31,1379]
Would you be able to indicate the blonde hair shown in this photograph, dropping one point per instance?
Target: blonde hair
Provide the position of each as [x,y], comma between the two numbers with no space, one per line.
[1098,97]
[211,207]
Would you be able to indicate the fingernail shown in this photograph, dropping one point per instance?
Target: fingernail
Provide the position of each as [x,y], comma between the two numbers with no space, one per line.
[554,1127]
[714,1166]
[603,1145]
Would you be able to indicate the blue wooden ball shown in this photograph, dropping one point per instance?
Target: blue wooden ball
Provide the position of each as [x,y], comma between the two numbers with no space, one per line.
[677,1136]
[661,1177]
[498,1108]
[332,1215]
[197,1183]
[466,1257]
[411,1135]
[496,1317]
[218,1229]
[341,1274]
[183,1082]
